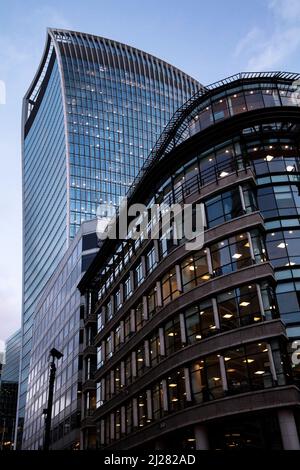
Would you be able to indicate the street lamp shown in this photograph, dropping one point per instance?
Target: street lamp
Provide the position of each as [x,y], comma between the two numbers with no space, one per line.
[54,354]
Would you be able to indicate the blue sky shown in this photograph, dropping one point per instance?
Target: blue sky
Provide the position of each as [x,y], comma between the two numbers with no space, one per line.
[208,40]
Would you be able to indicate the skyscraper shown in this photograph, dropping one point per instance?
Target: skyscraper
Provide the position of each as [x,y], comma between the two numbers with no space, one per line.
[90,117]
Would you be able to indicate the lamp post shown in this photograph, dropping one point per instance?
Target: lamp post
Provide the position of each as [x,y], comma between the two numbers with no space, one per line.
[54,354]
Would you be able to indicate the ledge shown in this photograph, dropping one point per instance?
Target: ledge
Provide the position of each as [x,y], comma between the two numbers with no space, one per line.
[260,400]
[213,344]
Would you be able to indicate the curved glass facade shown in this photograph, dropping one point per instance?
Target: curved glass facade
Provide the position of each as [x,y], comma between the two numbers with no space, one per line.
[90,117]
[207,329]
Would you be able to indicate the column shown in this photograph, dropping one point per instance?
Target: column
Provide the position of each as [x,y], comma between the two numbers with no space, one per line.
[288,429]
[201,437]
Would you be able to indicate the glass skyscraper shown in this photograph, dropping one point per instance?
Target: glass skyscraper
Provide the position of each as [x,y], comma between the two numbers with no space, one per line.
[90,117]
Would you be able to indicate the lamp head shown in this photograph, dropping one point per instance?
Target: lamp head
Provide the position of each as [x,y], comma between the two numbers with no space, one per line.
[56,354]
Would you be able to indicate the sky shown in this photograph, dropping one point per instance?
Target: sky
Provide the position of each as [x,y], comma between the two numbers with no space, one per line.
[208,40]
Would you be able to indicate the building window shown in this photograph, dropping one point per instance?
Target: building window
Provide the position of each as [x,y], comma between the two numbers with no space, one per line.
[173,335]
[154,349]
[248,368]
[231,254]
[140,360]
[142,409]
[138,275]
[283,247]
[118,303]
[223,207]
[128,370]
[100,356]
[109,310]
[199,322]
[239,307]
[100,321]
[129,419]
[152,302]
[117,335]
[176,390]
[108,348]
[194,270]
[151,260]
[288,298]
[117,377]
[127,288]
[139,316]
[206,379]
[99,394]
[169,287]
[157,401]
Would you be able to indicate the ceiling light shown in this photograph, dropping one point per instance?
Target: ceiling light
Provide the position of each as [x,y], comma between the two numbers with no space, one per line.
[244,304]
[202,311]
[256,318]
[191,439]
[259,372]
[212,327]
[205,277]
[289,168]
[223,173]
[247,245]
[192,268]
[216,379]
[248,361]
[174,399]
[237,256]
[290,263]
[282,245]
[231,370]
[227,315]
[172,385]
[269,158]
[227,358]
[198,337]
[265,350]
[171,334]
[140,359]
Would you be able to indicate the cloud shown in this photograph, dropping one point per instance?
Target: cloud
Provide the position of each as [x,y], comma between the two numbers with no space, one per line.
[264,49]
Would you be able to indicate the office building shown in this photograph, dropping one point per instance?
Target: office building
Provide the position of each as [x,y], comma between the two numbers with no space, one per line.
[191,349]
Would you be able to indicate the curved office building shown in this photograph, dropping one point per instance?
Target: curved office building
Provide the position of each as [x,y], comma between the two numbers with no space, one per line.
[191,349]
[90,118]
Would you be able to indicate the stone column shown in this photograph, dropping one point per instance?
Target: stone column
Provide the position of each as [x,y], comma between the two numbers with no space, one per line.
[288,429]
[201,437]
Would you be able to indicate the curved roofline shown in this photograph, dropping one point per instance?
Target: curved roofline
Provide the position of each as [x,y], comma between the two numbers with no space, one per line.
[40,66]
[179,116]
[113,41]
